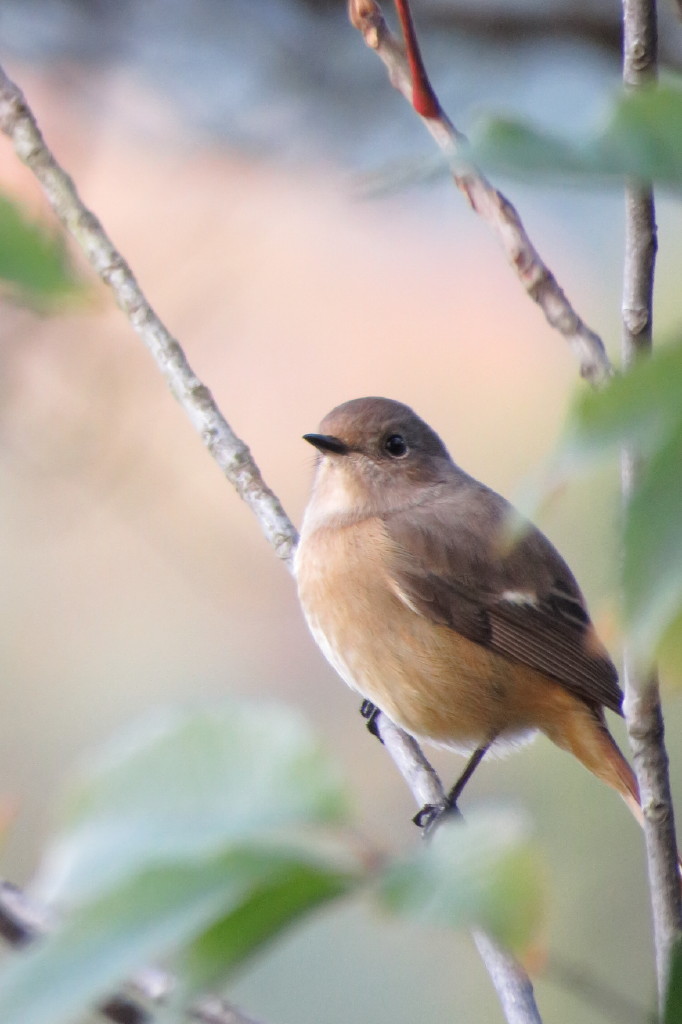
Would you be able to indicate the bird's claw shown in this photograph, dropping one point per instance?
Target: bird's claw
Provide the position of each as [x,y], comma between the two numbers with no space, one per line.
[431,815]
[371,713]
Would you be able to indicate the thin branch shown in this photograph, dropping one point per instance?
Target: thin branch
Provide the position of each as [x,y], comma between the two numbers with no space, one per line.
[643,712]
[512,984]
[487,201]
[231,454]
[22,922]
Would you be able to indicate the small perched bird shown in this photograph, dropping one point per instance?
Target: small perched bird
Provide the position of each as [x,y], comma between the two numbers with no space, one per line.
[465,631]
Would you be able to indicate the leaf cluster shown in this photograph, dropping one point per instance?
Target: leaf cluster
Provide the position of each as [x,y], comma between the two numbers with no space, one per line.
[640,138]
[643,411]
[201,834]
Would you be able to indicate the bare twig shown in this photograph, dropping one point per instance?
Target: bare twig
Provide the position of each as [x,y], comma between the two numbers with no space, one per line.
[407,74]
[642,701]
[231,454]
[408,757]
[512,984]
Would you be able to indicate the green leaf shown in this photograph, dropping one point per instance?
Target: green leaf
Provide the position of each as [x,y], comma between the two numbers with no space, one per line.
[482,872]
[266,911]
[643,410]
[643,135]
[652,576]
[193,828]
[640,138]
[510,146]
[32,259]
[184,785]
[103,942]
[641,407]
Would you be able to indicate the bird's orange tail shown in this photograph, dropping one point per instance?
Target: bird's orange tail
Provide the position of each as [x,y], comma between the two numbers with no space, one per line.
[585,735]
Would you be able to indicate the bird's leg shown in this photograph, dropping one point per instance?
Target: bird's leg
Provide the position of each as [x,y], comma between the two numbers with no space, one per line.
[429,816]
[471,766]
[371,713]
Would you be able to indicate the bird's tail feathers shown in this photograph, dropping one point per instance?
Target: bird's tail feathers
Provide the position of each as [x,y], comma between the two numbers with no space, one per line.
[591,742]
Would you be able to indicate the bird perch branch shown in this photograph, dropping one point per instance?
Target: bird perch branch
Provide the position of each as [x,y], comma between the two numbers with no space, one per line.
[512,984]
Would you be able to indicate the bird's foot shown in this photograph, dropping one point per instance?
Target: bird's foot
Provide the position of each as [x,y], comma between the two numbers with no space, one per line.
[431,815]
[371,713]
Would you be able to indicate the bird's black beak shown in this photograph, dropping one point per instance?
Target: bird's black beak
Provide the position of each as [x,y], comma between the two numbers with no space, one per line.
[327,443]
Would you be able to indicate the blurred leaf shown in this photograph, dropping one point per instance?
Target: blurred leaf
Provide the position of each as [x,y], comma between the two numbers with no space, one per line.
[152,913]
[641,138]
[642,409]
[184,785]
[673,1003]
[189,829]
[643,135]
[258,919]
[652,565]
[512,146]
[31,258]
[481,873]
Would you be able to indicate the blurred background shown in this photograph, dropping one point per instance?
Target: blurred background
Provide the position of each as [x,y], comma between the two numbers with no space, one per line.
[227,146]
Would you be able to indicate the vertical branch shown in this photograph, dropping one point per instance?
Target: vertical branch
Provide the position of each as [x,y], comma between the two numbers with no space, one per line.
[642,702]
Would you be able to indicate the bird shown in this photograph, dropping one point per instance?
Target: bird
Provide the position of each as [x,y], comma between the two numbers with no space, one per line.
[442,607]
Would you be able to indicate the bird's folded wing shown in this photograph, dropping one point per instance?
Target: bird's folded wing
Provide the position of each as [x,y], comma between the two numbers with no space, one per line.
[518,598]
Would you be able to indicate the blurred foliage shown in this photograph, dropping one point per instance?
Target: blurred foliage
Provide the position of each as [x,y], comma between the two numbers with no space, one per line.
[33,261]
[640,138]
[201,834]
[499,878]
[642,409]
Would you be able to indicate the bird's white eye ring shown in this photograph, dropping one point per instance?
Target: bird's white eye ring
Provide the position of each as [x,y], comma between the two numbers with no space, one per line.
[396,446]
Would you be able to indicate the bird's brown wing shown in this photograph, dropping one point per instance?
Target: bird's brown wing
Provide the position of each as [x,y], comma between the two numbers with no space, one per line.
[454,563]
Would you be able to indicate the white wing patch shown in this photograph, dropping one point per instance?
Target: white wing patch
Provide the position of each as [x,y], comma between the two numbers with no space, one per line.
[520,597]
[402,596]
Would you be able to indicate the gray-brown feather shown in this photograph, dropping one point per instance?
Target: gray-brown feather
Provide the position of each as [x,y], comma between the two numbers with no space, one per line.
[503,587]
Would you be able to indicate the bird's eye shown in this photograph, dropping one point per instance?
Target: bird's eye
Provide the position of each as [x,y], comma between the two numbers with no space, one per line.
[396,446]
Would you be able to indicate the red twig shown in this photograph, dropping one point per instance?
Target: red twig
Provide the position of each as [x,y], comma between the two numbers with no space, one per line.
[424,99]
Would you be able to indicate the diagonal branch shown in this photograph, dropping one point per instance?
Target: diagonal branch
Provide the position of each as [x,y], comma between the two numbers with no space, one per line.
[231,453]
[643,712]
[407,74]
